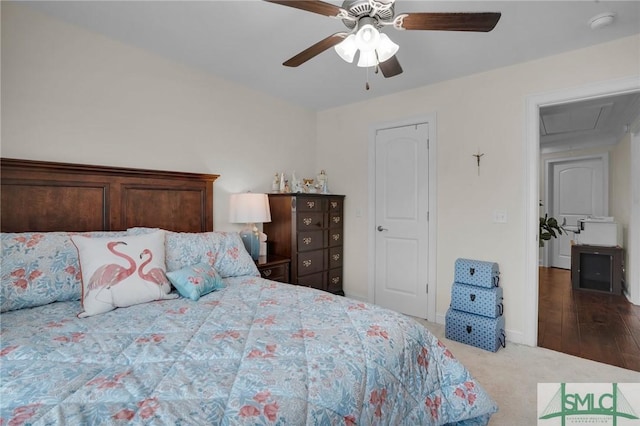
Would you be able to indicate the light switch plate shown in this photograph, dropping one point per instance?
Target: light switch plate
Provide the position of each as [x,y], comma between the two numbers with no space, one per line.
[499,216]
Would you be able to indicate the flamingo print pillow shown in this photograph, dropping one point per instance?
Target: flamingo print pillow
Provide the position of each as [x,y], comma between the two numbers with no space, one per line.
[121,271]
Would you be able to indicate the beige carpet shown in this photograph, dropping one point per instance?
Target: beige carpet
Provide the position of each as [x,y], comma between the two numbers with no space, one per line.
[512,374]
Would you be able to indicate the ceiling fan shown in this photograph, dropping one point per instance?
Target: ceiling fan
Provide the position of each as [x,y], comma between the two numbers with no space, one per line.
[364,19]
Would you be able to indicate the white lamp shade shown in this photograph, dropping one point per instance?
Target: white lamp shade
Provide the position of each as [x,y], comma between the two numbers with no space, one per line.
[386,48]
[367,38]
[249,207]
[347,48]
[367,59]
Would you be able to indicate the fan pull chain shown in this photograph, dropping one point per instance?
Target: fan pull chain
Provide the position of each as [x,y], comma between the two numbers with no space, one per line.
[366,86]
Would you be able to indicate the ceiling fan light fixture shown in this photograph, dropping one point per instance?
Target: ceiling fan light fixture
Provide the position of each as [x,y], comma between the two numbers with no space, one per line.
[347,48]
[386,48]
[368,58]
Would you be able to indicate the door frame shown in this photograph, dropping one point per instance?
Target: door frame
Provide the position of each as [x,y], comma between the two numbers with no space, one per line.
[548,189]
[429,119]
[531,170]
[633,269]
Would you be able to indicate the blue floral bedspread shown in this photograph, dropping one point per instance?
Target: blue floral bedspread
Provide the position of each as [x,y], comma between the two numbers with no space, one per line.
[256,352]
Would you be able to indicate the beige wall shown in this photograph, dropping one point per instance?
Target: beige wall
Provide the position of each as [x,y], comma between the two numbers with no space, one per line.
[620,183]
[70,95]
[74,96]
[483,112]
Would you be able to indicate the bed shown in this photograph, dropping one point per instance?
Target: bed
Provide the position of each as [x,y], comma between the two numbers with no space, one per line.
[252,351]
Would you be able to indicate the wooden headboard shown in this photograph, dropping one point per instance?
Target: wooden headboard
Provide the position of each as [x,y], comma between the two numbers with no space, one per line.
[46,196]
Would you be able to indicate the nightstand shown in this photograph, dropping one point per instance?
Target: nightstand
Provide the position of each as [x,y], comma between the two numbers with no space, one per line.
[275,268]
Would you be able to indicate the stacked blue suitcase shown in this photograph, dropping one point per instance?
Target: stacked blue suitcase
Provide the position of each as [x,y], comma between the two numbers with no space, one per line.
[475,315]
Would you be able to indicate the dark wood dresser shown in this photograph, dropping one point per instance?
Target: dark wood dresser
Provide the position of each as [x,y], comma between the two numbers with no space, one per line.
[308,229]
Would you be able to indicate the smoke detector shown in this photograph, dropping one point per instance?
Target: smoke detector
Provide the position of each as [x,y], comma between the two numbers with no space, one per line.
[601,20]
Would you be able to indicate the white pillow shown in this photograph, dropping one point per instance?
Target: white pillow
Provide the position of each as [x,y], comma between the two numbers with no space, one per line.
[121,271]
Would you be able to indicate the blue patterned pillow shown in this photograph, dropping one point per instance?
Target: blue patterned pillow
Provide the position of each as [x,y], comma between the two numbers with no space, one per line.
[196,280]
[223,250]
[40,268]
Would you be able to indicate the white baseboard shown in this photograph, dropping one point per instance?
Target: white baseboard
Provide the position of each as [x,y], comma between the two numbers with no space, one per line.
[354,297]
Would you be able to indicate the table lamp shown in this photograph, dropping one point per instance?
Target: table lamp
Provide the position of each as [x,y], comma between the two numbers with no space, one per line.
[250,208]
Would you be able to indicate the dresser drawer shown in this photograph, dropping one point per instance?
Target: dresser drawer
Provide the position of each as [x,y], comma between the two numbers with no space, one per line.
[335,237]
[335,281]
[309,204]
[273,267]
[310,240]
[335,257]
[313,280]
[310,220]
[335,205]
[310,262]
[335,220]
[275,273]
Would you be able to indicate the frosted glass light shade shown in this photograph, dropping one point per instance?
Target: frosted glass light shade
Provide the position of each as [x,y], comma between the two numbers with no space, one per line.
[347,48]
[367,38]
[367,59]
[374,46]
[249,208]
[386,48]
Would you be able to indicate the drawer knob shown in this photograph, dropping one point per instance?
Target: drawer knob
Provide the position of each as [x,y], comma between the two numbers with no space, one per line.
[306,263]
[334,204]
[311,204]
[335,280]
[335,237]
[306,240]
[336,219]
[307,221]
[266,272]
[336,257]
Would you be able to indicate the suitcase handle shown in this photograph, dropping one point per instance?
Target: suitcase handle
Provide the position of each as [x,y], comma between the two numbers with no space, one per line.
[501,307]
[503,339]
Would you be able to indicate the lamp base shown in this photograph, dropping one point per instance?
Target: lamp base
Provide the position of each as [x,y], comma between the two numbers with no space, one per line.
[251,242]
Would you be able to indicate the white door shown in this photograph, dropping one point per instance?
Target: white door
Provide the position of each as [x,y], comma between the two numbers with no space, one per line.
[579,190]
[401,219]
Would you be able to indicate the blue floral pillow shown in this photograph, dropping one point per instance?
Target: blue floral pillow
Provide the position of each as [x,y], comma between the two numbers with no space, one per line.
[223,250]
[196,280]
[40,268]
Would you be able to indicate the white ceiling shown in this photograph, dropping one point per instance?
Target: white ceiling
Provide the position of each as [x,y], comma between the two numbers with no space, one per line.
[588,123]
[247,41]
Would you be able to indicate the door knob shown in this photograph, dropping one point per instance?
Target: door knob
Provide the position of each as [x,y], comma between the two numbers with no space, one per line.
[380,228]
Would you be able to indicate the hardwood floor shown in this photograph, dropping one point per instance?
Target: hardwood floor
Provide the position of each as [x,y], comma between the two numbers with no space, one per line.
[591,325]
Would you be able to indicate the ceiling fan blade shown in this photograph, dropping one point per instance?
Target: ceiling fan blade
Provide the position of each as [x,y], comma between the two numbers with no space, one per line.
[315,6]
[315,50]
[390,67]
[455,21]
